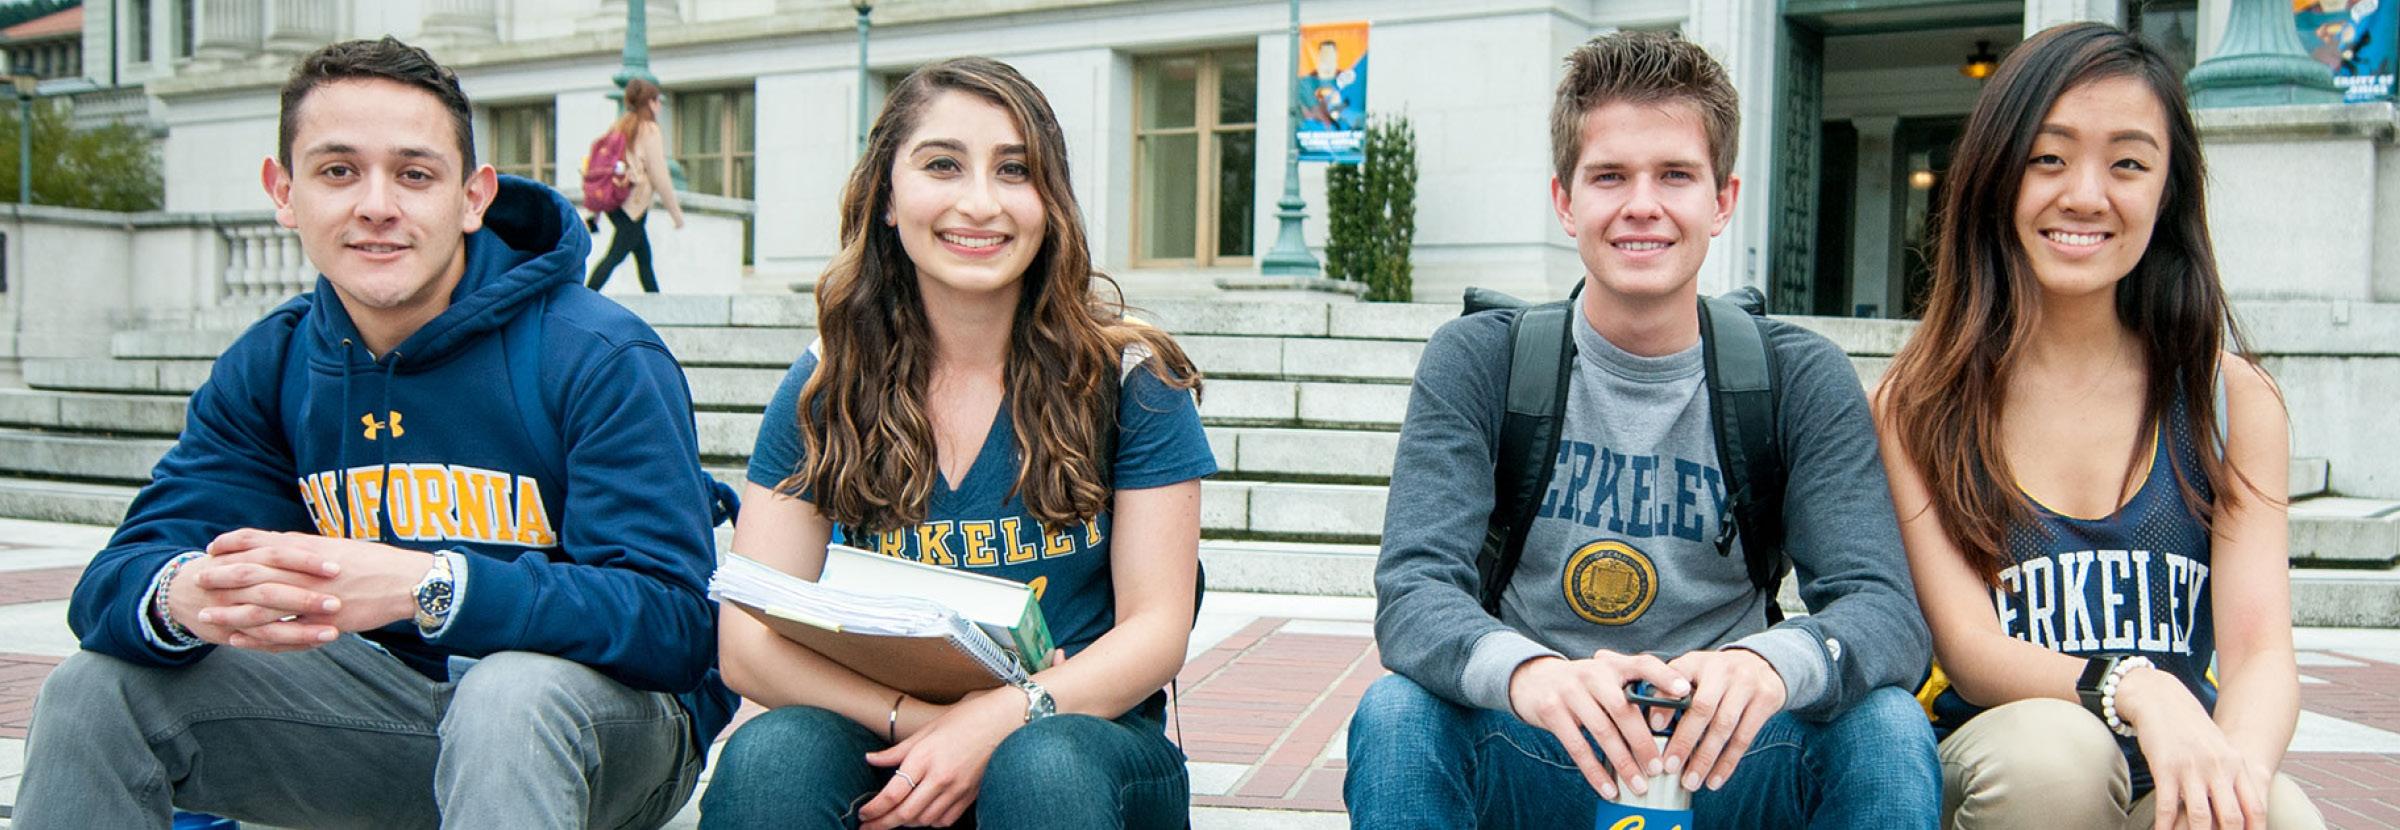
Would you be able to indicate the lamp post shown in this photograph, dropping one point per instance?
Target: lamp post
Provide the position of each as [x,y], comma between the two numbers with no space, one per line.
[865,8]
[24,83]
[636,61]
[1290,257]
[2259,62]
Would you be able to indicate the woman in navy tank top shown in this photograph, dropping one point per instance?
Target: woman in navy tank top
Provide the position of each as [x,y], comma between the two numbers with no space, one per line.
[2089,483]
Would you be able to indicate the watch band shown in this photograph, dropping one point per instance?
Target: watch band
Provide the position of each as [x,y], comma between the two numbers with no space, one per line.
[2088,689]
[1038,703]
[435,595]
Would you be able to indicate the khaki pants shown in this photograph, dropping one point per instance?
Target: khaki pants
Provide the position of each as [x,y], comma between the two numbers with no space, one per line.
[2048,763]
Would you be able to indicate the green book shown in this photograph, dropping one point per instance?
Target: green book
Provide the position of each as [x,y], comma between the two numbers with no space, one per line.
[1007,611]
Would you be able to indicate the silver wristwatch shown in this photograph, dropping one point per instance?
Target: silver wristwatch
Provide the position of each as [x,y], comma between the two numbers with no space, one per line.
[1037,700]
[435,595]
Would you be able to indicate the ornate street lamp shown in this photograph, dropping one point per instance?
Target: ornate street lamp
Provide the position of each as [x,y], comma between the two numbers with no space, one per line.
[1290,257]
[2259,62]
[24,82]
[865,8]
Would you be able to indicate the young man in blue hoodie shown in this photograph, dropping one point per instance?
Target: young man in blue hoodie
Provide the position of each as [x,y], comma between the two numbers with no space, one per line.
[433,546]
[1522,719]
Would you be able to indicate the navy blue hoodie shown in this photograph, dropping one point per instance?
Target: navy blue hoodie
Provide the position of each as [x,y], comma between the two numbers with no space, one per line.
[601,556]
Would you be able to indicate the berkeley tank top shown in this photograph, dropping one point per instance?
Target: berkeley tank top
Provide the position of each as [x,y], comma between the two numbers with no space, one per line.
[2133,583]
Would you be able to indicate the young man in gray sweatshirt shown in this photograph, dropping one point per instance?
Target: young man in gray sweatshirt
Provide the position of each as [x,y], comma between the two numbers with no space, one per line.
[1519,721]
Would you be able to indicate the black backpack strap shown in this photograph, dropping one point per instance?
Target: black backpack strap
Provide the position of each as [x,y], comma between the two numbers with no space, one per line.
[1741,373]
[1541,353]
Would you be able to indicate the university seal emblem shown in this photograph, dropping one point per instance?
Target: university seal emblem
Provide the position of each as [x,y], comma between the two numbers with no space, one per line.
[1609,582]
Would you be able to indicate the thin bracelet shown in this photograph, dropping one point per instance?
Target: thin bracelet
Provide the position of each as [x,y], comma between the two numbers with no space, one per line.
[891,725]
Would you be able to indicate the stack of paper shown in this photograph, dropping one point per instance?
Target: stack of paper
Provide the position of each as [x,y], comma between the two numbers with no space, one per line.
[916,644]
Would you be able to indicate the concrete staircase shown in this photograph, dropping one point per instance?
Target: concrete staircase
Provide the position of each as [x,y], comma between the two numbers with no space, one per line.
[1303,403]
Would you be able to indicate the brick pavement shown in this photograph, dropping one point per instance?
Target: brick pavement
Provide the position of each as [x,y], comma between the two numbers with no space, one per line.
[1269,704]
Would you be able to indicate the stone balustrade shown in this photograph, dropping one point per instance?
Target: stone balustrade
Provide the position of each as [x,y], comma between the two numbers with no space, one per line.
[71,278]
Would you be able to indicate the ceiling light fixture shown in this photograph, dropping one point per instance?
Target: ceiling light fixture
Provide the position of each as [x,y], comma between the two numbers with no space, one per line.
[1981,64]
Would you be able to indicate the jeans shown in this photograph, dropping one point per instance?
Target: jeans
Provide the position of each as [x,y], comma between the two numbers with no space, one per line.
[346,736]
[1417,760]
[631,237]
[801,766]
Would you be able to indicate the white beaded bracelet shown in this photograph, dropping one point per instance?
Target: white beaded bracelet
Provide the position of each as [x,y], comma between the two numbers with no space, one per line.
[2108,693]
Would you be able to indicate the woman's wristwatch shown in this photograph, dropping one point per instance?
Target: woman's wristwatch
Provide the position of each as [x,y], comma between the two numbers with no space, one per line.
[1037,700]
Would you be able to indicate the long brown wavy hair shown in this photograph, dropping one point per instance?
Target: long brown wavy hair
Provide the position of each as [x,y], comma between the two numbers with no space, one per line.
[870,460]
[1983,307]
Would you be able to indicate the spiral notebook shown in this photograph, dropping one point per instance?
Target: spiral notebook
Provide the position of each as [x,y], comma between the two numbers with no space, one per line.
[935,633]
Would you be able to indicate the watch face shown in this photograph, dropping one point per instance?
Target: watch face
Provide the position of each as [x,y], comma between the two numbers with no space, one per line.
[433,598]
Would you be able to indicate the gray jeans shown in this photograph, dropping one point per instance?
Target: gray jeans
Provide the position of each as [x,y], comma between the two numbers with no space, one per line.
[347,736]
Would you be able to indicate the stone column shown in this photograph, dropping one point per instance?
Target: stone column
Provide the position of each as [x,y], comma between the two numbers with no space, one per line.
[297,27]
[1874,235]
[2043,14]
[229,30]
[462,21]
[1741,34]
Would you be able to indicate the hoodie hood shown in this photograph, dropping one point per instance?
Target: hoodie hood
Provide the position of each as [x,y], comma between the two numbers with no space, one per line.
[531,244]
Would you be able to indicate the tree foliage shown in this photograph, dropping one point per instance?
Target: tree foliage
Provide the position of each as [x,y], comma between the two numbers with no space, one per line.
[109,168]
[1371,213]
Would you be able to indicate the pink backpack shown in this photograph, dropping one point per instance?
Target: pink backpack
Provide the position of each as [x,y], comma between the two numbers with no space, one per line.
[604,181]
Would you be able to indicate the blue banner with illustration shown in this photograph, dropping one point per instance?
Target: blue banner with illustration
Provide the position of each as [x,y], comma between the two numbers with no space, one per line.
[1333,92]
[2359,39]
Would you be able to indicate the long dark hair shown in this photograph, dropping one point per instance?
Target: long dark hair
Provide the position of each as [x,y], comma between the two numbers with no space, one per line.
[1983,307]
[870,454]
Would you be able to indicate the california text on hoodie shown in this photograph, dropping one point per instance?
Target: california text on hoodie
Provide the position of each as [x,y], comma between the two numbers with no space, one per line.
[597,551]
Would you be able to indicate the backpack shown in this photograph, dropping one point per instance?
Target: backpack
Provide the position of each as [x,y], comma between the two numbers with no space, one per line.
[1740,373]
[605,184]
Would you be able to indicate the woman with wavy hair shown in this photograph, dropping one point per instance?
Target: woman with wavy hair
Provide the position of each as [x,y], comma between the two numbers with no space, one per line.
[970,407]
[2088,482]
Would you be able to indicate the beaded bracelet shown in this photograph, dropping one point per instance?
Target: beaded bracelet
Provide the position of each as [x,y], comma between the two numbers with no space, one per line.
[170,630]
[2108,693]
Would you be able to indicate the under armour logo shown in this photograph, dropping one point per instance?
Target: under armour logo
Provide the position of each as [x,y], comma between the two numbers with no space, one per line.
[375,426]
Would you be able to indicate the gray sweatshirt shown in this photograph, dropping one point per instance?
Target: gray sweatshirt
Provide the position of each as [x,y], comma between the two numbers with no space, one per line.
[1620,554]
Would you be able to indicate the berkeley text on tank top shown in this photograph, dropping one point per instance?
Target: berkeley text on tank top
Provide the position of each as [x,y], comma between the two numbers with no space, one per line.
[2135,582]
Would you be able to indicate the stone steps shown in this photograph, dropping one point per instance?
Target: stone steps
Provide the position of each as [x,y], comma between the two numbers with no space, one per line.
[1303,403]
[155,415]
[80,457]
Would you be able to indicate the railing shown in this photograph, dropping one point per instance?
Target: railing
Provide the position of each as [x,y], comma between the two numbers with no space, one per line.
[262,262]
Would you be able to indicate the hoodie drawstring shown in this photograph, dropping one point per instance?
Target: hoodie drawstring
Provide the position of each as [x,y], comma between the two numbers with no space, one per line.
[391,364]
[341,448]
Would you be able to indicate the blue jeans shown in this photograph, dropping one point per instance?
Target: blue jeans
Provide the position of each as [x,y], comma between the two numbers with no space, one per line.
[801,766]
[1417,760]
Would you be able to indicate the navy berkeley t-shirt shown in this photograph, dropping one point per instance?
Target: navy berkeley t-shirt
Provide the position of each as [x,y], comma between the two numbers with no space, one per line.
[981,527]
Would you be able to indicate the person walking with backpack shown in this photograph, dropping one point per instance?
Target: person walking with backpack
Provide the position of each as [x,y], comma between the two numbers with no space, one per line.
[1515,712]
[2090,471]
[626,168]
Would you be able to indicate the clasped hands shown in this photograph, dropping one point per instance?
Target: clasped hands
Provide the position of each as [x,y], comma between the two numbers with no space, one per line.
[283,592]
[1728,695]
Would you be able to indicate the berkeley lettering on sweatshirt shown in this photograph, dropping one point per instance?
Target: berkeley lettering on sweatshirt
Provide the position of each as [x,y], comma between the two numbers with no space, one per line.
[1634,496]
[2091,601]
[429,503]
[983,543]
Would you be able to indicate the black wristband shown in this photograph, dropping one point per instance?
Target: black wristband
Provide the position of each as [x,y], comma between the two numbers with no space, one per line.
[2087,686]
